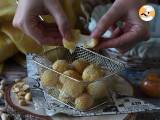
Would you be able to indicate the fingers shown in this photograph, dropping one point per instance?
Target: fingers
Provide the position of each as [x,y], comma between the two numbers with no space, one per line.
[117,32]
[123,41]
[43,33]
[111,17]
[126,37]
[27,20]
[123,38]
[61,19]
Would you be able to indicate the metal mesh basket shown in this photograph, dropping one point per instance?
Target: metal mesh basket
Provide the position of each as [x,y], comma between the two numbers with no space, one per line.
[45,61]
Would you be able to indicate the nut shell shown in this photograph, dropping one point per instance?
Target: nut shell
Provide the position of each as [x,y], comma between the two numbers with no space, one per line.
[25,88]
[15,89]
[19,97]
[22,103]
[21,93]
[28,97]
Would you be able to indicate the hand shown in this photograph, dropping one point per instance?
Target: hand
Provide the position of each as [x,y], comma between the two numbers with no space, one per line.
[27,19]
[132,31]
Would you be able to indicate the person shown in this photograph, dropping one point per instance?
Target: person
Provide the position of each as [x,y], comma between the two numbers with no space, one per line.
[123,38]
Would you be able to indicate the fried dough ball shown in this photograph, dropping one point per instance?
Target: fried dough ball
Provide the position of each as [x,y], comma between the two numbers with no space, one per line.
[49,78]
[71,43]
[75,39]
[70,73]
[65,97]
[98,89]
[23,103]
[60,65]
[73,88]
[92,72]
[80,65]
[91,43]
[84,102]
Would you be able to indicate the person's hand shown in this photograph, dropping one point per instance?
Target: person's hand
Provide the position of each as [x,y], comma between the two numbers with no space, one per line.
[27,19]
[132,31]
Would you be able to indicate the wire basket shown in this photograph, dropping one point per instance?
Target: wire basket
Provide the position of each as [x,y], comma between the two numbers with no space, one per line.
[46,60]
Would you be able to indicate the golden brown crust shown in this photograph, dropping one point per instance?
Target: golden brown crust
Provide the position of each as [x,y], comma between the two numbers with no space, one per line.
[60,65]
[92,72]
[84,102]
[49,78]
[79,65]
